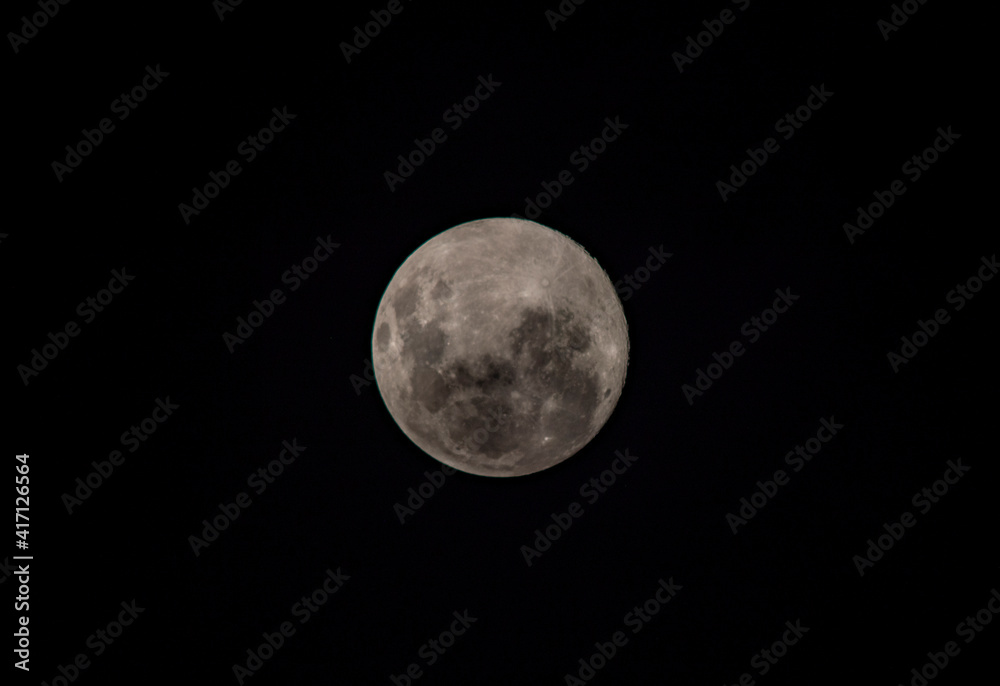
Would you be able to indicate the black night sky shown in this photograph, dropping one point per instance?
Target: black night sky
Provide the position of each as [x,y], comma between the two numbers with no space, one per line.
[173,165]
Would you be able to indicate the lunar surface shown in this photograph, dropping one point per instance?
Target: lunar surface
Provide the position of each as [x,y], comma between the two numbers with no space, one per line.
[500,347]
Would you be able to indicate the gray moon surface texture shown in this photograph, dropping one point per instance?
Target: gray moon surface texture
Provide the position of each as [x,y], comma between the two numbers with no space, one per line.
[500,347]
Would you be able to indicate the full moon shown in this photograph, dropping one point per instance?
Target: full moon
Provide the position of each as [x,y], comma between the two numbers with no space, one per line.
[500,347]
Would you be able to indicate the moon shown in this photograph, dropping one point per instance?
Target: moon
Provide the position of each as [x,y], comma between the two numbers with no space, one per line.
[500,347]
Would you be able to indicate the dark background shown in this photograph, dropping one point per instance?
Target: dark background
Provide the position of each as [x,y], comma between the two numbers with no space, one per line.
[333,507]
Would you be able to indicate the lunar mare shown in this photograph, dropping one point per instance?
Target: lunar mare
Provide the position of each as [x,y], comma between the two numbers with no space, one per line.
[500,347]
